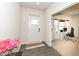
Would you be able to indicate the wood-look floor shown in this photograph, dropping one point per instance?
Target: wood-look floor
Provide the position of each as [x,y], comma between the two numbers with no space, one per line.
[66,47]
[41,51]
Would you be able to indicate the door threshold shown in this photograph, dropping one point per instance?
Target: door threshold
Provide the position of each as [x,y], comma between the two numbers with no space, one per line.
[34,45]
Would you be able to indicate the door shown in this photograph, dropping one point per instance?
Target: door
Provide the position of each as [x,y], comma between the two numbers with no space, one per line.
[34,28]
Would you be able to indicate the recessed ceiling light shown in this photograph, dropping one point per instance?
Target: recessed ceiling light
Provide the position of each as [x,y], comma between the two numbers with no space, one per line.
[37,3]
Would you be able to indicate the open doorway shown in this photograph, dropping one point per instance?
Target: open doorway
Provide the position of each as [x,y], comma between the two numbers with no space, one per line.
[59,26]
[64,23]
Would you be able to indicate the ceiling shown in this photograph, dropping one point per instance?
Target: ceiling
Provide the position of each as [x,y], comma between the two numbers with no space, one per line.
[69,11]
[75,12]
[41,6]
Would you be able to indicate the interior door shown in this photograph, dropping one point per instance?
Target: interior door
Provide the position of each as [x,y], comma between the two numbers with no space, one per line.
[34,28]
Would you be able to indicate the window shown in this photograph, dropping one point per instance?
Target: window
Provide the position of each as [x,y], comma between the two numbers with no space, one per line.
[56,25]
[67,23]
[34,21]
[61,24]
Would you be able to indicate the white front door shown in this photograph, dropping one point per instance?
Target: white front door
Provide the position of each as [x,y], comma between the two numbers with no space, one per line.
[34,28]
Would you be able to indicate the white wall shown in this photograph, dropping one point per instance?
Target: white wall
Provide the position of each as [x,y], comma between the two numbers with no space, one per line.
[9,20]
[54,8]
[25,19]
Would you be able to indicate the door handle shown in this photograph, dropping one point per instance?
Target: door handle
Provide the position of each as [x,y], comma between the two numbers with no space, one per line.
[38,29]
[51,29]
